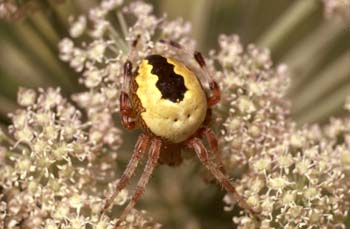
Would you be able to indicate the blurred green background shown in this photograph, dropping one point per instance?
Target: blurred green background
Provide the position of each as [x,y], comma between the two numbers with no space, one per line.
[316,50]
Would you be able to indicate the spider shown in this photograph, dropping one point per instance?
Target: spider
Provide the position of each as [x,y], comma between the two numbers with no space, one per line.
[166,100]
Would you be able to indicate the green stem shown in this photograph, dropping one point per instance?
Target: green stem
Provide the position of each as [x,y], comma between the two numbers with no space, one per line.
[200,16]
[41,34]
[10,84]
[123,24]
[37,54]
[6,106]
[54,19]
[322,110]
[332,76]
[15,55]
[311,48]
[67,74]
[3,130]
[285,25]
[120,43]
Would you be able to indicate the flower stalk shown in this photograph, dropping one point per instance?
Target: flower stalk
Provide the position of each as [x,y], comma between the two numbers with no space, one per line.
[310,48]
[322,110]
[333,75]
[285,25]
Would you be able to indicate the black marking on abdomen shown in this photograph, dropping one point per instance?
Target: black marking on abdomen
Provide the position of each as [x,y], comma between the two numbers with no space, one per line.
[170,84]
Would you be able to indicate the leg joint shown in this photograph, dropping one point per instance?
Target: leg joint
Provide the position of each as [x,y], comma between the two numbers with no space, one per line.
[128,67]
[199,58]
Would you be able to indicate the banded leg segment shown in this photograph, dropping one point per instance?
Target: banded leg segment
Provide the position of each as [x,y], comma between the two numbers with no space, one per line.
[140,188]
[124,101]
[214,98]
[202,153]
[140,148]
[126,110]
[209,135]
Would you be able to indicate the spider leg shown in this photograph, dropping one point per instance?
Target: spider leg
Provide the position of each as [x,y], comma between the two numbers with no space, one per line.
[127,74]
[202,154]
[140,148]
[140,188]
[126,110]
[213,144]
[214,98]
[124,101]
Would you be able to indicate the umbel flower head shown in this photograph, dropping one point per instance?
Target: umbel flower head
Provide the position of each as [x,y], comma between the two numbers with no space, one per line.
[55,174]
[303,182]
[253,112]
[58,158]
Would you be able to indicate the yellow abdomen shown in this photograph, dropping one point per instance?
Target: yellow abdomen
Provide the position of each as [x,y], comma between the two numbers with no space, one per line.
[173,100]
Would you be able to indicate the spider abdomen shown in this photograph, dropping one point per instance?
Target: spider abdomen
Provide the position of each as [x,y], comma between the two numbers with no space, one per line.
[171,102]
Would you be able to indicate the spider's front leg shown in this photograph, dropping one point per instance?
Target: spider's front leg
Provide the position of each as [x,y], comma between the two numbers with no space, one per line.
[202,153]
[126,110]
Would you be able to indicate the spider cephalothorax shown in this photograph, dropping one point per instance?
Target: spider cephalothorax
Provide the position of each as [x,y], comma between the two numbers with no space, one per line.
[166,100]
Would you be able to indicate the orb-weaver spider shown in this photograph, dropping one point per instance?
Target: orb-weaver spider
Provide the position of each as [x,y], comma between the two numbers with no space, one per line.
[166,100]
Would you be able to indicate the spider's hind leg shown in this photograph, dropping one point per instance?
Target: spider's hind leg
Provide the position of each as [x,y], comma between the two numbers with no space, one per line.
[140,148]
[209,135]
[140,188]
[202,153]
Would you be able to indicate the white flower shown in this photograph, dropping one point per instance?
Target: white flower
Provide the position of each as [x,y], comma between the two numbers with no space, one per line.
[78,26]
[26,97]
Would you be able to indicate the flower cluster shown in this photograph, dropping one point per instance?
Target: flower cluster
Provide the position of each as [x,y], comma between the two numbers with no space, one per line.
[293,177]
[52,174]
[253,111]
[337,131]
[302,182]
